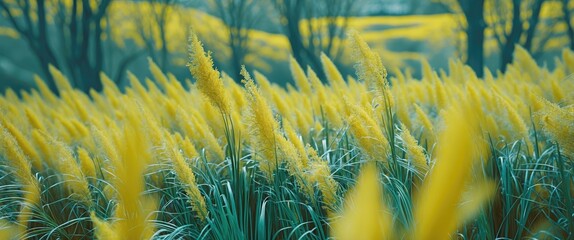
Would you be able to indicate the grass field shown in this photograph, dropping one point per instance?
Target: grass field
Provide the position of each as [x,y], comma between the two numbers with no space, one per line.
[445,156]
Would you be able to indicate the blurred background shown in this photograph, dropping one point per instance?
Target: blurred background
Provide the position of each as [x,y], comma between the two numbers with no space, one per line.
[85,37]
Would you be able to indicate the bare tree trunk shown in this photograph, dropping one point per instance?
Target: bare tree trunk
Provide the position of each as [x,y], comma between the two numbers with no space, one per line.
[567,20]
[512,39]
[474,13]
[533,22]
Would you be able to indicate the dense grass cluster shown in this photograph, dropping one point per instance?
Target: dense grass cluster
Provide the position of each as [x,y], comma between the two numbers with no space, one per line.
[446,156]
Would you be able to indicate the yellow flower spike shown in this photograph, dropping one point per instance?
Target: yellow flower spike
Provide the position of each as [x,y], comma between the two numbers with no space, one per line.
[473,200]
[34,120]
[208,137]
[370,69]
[25,145]
[214,118]
[40,141]
[443,189]
[61,81]
[238,96]
[286,150]
[15,155]
[262,126]
[32,199]
[557,92]
[369,136]
[414,152]
[558,123]
[45,90]
[296,141]
[314,80]
[332,73]
[427,71]
[110,88]
[403,112]
[333,115]
[441,98]
[187,178]
[132,211]
[320,174]
[207,78]
[524,61]
[139,88]
[516,121]
[9,231]
[23,171]
[299,76]
[365,216]
[264,84]
[73,176]
[428,128]
[186,146]
[103,229]
[86,163]
[157,73]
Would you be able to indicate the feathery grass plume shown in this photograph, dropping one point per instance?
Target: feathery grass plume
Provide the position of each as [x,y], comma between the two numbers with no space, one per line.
[207,78]
[263,83]
[187,178]
[403,112]
[557,92]
[186,146]
[368,134]
[61,81]
[9,231]
[32,199]
[516,121]
[443,189]
[280,104]
[157,73]
[370,69]
[86,163]
[202,135]
[524,61]
[23,171]
[428,128]
[103,229]
[299,76]
[40,141]
[320,174]
[333,115]
[132,209]
[414,152]
[558,123]
[15,156]
[364,216]
[45,90]
[315,82]
[111,90]
[34,120]
[263,128]
[293,137]
[238,96]
[441,98]
[473,200]
[25,145]
[74,178]
[331,72]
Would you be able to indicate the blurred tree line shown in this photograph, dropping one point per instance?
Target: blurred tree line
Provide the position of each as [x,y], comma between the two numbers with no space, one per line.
[75,35]
[511,23]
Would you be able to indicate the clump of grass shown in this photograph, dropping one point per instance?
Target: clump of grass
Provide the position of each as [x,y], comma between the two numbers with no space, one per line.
[166,159]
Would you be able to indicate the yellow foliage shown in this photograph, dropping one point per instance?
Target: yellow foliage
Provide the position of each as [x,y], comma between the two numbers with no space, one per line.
[208,81]
[365,216]
[443,189]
